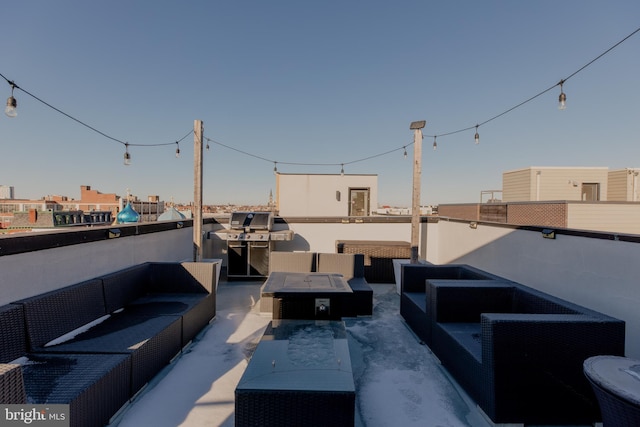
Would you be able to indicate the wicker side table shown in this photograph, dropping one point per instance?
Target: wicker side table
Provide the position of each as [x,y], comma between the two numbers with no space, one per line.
[616,383]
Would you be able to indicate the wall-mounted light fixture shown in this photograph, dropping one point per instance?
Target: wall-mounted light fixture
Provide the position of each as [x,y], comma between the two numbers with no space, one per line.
[179,224]
[113,233]
[473,225]
[547,233]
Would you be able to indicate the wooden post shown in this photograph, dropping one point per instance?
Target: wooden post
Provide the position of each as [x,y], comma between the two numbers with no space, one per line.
[197,190]
[417,172]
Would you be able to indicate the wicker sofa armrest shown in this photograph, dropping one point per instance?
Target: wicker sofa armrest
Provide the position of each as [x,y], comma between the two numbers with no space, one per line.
[182,277]
[532,365]
[12,390]
[13,335]
[465,300]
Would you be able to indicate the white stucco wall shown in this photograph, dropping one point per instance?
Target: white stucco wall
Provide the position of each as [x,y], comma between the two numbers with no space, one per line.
[31,273]
[321,195]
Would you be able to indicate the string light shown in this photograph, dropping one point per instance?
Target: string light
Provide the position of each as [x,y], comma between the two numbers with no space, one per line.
[275,168]
[127,156]
[405,151]
[177,150]
[12,104]
[342,169]
[435,144]
[562,98]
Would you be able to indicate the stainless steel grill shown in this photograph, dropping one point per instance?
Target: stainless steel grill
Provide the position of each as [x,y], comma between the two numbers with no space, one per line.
[249,242]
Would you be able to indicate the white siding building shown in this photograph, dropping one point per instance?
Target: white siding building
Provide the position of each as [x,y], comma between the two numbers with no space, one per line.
[534,184]
[624,185]
[326,194]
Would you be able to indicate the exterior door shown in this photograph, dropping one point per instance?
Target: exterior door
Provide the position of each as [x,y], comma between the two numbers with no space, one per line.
[359,201]
[590,192]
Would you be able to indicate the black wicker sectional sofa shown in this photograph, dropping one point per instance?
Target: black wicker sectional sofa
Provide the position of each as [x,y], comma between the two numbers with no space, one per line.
[95,344]
[516,351]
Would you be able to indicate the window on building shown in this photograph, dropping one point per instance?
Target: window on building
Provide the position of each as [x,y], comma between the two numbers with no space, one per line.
[359,201]
[9,207]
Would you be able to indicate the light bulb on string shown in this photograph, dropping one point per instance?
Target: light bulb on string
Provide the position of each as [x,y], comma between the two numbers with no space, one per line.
[342,169]
[405,151]
[476,138]
[435,144]
[177,150]
[12,104]
[562,98]
[127,156]
[275,168]
[207,147]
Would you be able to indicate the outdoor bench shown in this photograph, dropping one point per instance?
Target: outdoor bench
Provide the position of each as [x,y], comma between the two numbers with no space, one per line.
[378,256]
[518,352]
[350,266]
[93,345]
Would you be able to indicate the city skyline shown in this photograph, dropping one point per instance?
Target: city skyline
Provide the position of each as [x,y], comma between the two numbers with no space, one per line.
[314,88]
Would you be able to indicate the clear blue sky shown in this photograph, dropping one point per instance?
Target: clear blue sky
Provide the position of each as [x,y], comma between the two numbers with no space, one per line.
[313,82]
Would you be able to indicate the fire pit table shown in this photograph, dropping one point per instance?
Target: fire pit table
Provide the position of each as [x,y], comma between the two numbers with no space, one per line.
[299,375]
[306,295]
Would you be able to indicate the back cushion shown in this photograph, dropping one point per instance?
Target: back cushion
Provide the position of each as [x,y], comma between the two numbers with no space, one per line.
[345,264]
[292,262]
[55,313]
[13,338]
[124,286]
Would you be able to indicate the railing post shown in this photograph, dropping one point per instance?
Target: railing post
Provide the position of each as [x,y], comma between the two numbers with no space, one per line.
[197,190]
[417,172]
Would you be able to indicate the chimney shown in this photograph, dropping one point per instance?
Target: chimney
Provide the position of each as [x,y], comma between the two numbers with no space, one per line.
[33,216]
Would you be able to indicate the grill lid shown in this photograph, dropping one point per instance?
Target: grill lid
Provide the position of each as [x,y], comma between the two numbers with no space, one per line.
[251,221]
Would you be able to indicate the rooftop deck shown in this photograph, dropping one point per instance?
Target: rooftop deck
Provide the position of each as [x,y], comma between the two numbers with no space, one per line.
[398,381]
